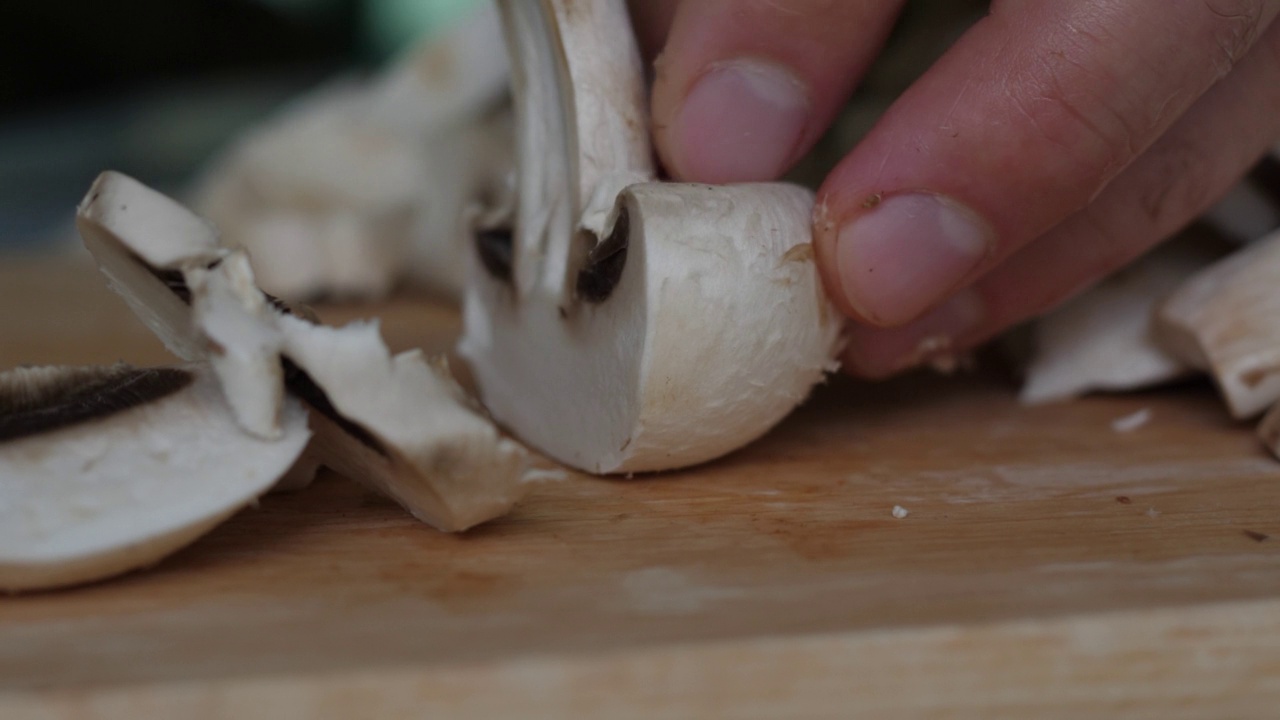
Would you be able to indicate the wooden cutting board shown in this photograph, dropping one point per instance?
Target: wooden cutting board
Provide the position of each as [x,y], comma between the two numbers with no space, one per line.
[1049,566]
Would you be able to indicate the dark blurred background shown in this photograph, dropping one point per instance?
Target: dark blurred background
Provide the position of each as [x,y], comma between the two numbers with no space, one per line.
[154,87]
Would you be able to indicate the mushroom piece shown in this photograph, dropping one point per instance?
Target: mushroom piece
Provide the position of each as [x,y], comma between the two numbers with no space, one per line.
[362,184]
[1222,320]
[397,423]
[617,323]
[106,470]
[1103,339]
[144,243]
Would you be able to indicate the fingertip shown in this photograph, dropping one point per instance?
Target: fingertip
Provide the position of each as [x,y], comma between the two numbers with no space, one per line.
[889,259]
[743,89]
[743,120]
[936,338]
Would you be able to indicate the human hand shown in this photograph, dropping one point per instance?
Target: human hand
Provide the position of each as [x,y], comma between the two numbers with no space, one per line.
[1052,144]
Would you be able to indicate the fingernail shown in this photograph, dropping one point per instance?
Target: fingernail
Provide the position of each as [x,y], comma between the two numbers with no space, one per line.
[907,253]
[742,122]
[875,352]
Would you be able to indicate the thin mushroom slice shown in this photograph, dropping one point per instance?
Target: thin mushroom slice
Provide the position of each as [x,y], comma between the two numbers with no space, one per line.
[397,423]
[621,324]
[1104,339]
[1223,320]
[141,241]
[403,426]
[106,470]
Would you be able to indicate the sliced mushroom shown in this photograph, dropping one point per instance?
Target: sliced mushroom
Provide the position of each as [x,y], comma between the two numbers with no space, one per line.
[397,423]
[165,236]
[144,243]
[1104,339]
[1223,320]
[105,470]
[363,184]
[621,324]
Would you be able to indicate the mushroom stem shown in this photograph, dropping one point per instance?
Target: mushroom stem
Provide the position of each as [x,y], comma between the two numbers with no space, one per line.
[582,134]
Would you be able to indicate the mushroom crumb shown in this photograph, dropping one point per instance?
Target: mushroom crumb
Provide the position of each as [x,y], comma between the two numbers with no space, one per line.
[900,512]
[1129,423]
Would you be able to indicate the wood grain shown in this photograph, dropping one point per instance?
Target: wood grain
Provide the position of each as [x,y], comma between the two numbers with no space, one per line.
[1049,566]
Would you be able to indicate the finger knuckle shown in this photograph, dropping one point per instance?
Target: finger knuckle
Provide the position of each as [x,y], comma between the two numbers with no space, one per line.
[1089,132]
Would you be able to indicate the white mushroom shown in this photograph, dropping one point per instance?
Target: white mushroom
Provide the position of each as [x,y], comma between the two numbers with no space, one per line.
[361,185]
[105,470]
[396,423]
[1104,339]
[1223,320]
[627,324]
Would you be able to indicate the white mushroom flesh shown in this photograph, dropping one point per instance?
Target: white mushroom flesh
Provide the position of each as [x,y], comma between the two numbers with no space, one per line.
[105,470]
[635,329]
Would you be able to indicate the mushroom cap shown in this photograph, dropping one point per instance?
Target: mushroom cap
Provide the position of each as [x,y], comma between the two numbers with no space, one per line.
[123,487]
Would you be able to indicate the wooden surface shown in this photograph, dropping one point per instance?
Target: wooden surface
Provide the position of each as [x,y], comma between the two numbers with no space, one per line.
[1049,567]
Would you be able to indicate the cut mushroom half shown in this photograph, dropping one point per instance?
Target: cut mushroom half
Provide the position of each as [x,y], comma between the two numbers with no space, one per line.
[397,423]
[618,323]
[106,470]
[1223,320]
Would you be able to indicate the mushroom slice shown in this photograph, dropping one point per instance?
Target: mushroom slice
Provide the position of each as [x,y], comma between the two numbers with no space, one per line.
[146,244]
[1104,339]
[403,427]
[105,470]
[1223,320]
[141,241]
[396,423]
[621,324]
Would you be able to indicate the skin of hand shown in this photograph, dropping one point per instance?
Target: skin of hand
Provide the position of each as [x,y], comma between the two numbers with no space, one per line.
[1053,143]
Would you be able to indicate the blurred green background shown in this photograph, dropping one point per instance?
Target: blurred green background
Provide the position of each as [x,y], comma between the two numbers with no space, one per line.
[154,87]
